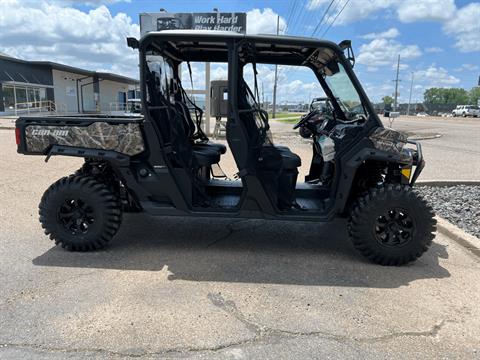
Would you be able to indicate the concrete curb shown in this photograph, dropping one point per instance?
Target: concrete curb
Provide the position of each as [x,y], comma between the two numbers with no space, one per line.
[444,183]
[469,242]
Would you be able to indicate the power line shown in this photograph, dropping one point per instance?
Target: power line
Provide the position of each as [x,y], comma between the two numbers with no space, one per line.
[336,17]
[323,17]
[290,11]
[304,16]
[294,16]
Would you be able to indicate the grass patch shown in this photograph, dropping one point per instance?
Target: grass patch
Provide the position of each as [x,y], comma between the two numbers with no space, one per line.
[282,115]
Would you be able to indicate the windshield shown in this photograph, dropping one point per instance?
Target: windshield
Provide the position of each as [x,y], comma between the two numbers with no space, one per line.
[345,93]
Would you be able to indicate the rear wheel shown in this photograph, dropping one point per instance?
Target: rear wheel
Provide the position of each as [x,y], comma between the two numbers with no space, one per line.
[80,213]
[392,225]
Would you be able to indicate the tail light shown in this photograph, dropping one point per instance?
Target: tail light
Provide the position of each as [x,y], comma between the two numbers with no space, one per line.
[17,136]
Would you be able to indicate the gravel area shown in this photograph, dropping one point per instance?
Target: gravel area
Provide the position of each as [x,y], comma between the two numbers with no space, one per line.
[458,204]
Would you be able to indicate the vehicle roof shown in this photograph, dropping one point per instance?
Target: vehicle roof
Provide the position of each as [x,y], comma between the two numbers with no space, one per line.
[207,45]
[217,34]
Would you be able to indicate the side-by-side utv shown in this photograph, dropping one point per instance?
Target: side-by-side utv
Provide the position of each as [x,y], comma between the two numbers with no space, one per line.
[162,163]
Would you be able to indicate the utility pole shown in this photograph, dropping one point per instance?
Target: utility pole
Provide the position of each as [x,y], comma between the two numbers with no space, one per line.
[396,85]
[410,97]
[263,98]
[275,82]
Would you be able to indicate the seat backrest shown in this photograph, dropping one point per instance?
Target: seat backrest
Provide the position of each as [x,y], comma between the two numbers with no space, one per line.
[190,128]
[254,119]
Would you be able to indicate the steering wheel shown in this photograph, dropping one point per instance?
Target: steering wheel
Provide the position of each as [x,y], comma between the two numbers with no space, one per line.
[304,119]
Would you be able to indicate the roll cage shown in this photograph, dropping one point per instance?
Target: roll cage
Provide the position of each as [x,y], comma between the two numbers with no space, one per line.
[181,46]
[184,46]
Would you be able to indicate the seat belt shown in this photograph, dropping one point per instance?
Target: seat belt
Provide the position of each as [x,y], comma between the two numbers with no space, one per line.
[201,135]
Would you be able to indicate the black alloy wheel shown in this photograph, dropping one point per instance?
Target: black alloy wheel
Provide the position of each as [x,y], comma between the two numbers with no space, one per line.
[76,216]
[395,228]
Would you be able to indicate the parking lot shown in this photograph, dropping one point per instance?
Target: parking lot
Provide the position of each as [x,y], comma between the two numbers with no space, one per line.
[209,288]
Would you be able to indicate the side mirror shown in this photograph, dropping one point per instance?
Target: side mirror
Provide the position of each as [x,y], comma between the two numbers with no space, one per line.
[347,45]
[132,42]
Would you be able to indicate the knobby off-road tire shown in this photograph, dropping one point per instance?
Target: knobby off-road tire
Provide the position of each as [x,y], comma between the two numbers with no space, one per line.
[392,225]
[80,213]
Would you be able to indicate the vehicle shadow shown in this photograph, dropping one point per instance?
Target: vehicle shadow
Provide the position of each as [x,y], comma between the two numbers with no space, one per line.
[246,251]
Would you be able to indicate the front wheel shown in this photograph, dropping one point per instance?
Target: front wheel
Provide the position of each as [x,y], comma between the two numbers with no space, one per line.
[80,213]
[392,225]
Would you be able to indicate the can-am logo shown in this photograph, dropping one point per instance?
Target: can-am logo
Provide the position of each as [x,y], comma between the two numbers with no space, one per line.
[44,132]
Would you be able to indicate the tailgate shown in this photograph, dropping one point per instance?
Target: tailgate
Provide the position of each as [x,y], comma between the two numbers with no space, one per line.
[36,135]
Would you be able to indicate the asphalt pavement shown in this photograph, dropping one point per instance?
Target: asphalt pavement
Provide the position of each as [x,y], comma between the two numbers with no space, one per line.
[455,154]
[451,146]
[219,288]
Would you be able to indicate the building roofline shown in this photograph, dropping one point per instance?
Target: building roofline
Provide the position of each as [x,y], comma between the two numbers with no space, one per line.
[72,69]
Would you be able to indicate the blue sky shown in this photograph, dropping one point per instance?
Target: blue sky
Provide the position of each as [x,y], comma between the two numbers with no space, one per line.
[438,40]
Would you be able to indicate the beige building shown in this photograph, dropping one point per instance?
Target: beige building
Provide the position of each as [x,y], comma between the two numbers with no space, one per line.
[33,86]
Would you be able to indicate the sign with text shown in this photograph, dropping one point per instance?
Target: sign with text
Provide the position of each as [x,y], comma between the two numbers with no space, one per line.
[236,22]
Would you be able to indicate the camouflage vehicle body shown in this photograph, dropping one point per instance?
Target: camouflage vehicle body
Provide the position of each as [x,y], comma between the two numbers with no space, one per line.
[164,164]
[119,134]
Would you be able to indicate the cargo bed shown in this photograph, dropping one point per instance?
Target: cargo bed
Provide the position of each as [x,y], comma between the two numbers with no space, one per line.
[122,134]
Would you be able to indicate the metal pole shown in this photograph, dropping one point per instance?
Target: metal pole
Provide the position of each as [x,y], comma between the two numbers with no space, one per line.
[396,85]
[15,98]
[207,98]
[263,98]
[275,83]
[410,97]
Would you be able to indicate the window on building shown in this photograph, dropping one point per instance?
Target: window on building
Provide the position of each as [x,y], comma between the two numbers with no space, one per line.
[21,95]
[17,97]
[8,98]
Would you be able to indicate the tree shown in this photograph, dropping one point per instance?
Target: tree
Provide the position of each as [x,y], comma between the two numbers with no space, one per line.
[453,96]
[387,100]
[474,95]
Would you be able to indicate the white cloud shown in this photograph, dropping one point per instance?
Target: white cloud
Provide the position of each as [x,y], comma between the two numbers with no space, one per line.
[388,34]
[402,66]
[406,10]
[384,52]
[45,31]
[435,76]
[433,49]
[358,10]
[467,67]
[315,4]
[219,72]
[461,23]
[465,27]
[264,22]
[425,10]
[93,3]
[376,92]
